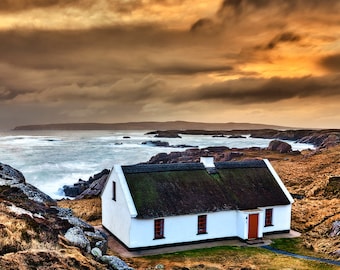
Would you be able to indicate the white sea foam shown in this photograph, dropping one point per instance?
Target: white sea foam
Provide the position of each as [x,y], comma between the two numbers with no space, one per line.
[51,159]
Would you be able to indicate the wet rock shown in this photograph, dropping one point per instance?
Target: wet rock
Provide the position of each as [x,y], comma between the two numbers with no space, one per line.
[167,134]
[237,137]
[279,146]
[156,143]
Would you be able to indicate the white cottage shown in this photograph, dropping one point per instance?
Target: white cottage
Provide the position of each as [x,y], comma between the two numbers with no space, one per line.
[152,205]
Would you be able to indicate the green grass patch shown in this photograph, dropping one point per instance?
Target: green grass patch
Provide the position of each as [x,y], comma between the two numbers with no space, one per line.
[293,245]
[224,256]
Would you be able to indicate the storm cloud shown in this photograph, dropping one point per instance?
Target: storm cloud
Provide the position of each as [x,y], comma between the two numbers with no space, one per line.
[169,60]
[331,62]
[251,90]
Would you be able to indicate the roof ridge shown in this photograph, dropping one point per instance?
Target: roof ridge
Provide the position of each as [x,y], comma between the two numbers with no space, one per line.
[145,168]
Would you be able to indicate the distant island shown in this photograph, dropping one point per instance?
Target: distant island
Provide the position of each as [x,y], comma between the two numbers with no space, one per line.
[169,125]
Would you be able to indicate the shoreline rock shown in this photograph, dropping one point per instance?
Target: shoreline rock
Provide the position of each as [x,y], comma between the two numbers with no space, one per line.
[166,144]
[87,189]
[319,138]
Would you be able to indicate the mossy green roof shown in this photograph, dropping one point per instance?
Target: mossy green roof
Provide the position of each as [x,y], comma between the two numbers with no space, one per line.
[181,189]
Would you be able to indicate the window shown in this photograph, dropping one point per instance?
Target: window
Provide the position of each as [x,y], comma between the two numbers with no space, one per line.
[114,190]
[159,229]
[202,224]
[269,217]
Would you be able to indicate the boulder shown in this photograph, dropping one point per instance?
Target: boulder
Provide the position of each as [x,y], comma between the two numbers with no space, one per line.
[96,252]
[279,146]
[76,237]
[115,262]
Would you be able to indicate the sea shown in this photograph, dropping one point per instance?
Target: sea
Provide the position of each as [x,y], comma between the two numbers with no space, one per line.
[51,159]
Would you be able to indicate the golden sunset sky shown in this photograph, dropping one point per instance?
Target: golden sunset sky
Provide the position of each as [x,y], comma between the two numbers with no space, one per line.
[259,61]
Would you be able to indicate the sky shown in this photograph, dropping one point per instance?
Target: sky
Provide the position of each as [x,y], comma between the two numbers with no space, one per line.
[258,61]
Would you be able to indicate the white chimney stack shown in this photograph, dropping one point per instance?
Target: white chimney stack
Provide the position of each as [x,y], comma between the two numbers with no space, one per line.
[208,162]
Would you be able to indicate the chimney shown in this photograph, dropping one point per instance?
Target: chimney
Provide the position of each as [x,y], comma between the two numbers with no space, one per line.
[209,164]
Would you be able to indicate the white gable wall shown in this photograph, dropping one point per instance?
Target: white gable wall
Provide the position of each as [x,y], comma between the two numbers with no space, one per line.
[117,214]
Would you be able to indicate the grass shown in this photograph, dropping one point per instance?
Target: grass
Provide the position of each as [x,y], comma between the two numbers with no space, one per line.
[227,257]
[295,245]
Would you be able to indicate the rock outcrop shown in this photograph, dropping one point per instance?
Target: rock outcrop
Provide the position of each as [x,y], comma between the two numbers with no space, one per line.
[87,189]
[30,221]
[10,176]
[13,178]
[280,146]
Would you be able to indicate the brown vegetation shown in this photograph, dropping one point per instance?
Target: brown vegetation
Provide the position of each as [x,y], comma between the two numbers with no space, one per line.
[31,236]
[86,209]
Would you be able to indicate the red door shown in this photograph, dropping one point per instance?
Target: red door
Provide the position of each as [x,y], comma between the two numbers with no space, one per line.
[253,225]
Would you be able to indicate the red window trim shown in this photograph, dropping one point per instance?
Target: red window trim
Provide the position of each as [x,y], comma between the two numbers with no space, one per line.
[159,229]
[202,224]
[268,217]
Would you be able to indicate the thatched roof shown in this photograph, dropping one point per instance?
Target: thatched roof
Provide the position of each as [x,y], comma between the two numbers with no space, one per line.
[187,188]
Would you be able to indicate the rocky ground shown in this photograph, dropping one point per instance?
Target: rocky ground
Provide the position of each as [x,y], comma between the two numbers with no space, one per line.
[37,234]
